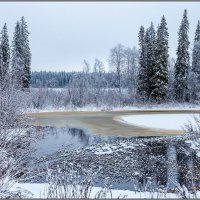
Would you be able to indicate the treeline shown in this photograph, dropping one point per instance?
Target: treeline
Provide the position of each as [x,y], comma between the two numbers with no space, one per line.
[122,74]
[50,79]
[64,79]
[91,86]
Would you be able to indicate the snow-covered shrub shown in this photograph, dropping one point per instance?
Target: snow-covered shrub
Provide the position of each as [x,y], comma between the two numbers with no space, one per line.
[14,145]
[39,98]
[69,184]
[193,127]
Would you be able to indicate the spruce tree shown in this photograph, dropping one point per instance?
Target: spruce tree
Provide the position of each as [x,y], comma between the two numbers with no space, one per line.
[182,62]
[2,72]
[5,53]
[143,85]
[21,55]
[26,54]
[17,58]
[151,59]
[197,33]
[160,76]
[194,76]
[196,52]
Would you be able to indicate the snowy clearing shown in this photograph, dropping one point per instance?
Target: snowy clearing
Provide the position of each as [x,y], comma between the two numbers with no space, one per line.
[160,121]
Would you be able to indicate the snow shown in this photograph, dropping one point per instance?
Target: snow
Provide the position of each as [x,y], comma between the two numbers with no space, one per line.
[91,107]
[193,145]
[100,152]
[110,149]
[160,121]
[39,190]
[104,150]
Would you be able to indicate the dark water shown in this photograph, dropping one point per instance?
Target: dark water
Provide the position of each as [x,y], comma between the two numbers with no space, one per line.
[53,139]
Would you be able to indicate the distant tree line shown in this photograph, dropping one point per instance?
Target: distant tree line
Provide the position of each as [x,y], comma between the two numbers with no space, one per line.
[64,79]
[121,75]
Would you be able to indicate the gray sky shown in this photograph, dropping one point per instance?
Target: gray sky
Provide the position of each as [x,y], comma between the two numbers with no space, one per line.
[65,33]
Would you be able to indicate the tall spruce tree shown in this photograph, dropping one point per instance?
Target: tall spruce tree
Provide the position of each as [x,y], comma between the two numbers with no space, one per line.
[194,75]
[17,58]
[21,55]
[143,79]
[26,53]
[196,52]
[182,62]
[151,59]
[2,71]
[160,76]
[4,54]
[197,33]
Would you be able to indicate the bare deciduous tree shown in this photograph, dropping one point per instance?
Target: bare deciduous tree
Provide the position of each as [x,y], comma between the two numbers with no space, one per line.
[117,62]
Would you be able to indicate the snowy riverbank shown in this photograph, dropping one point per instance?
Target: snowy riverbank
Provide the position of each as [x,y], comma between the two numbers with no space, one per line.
[166,106]
[160,121]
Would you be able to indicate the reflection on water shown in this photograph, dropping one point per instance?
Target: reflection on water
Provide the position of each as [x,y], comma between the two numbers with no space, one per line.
[53,139]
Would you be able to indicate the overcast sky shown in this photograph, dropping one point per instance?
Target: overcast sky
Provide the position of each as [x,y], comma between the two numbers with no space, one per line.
[65,33]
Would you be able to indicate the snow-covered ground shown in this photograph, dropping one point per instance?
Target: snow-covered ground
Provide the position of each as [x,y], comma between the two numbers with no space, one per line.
[195,145]
[39,190]
[167,106]
[161,121]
